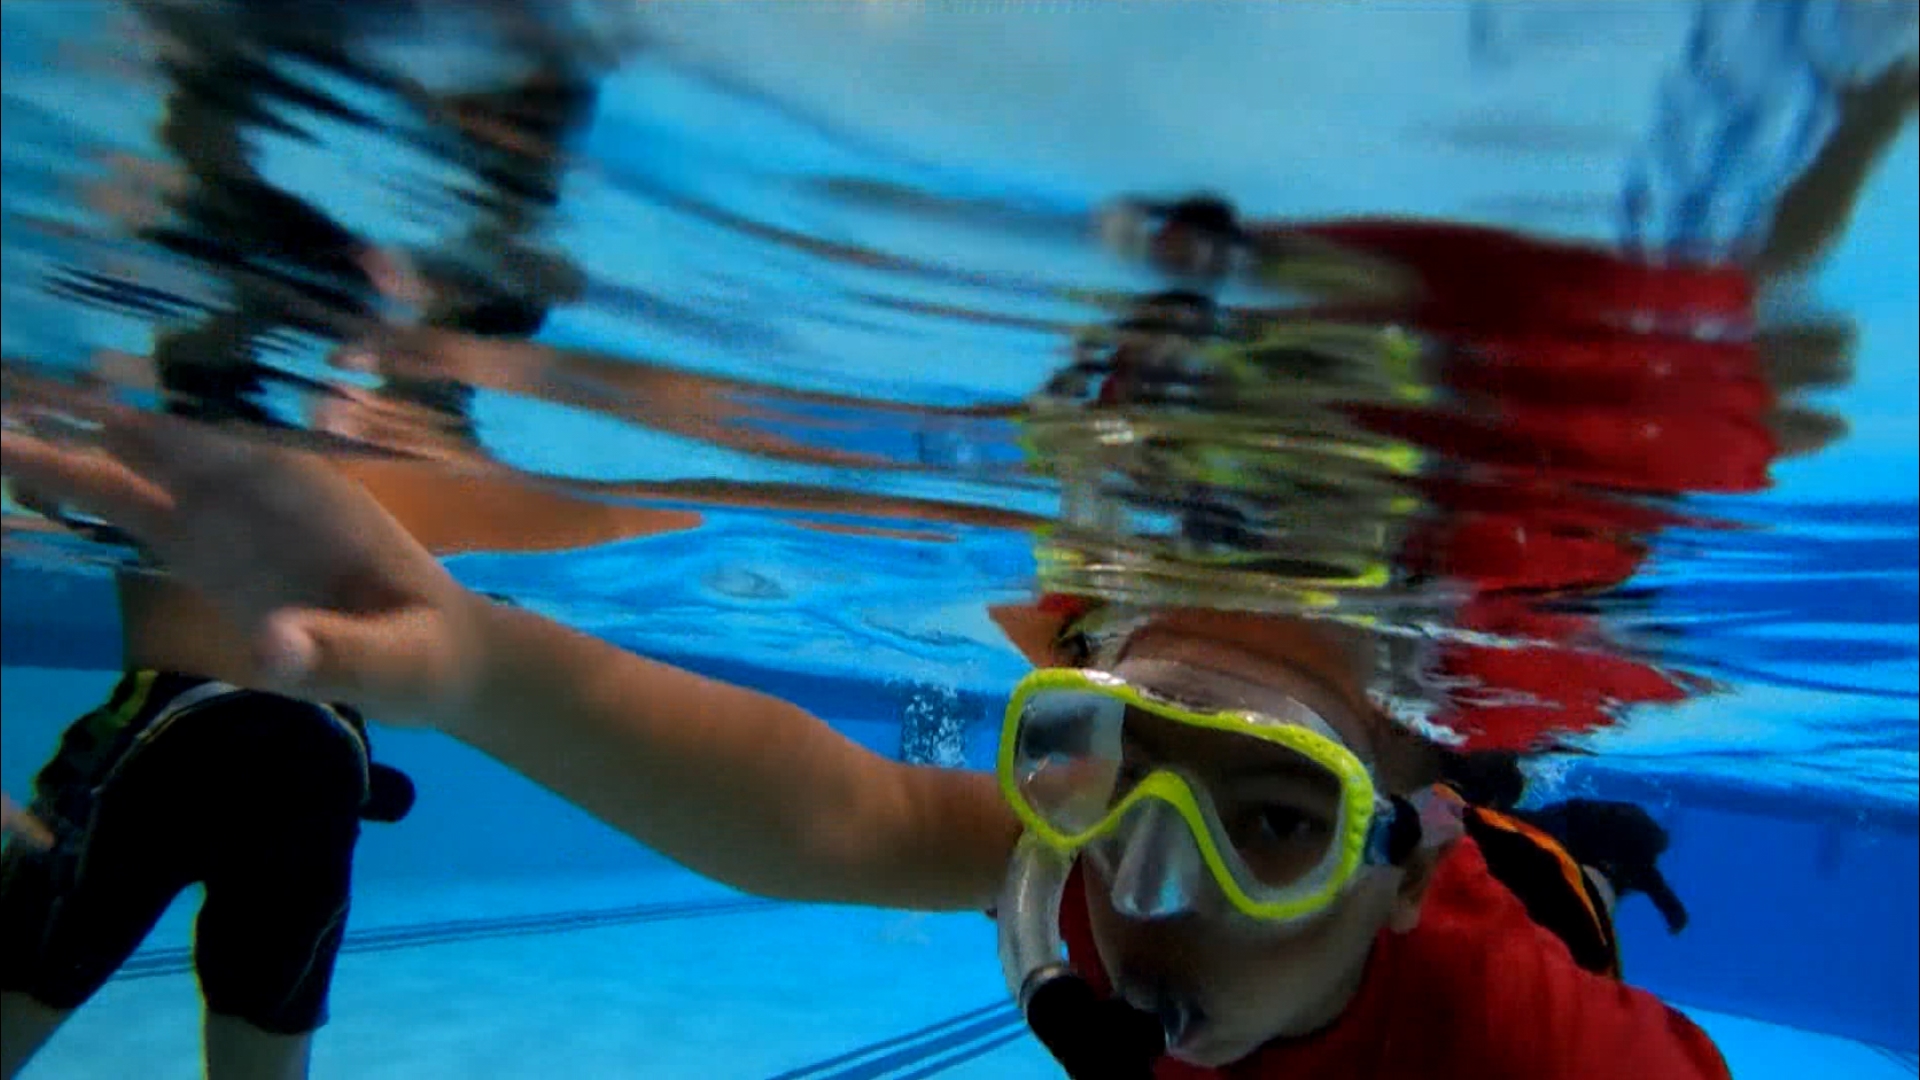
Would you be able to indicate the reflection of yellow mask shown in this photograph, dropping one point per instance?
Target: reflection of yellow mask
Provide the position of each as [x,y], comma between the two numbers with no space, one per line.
[1082,764]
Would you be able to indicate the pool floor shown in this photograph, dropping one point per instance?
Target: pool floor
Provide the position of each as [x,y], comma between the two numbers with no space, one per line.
[662,975]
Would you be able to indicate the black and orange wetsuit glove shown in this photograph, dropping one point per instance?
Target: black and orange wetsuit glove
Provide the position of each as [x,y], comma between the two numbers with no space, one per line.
[390,794]
[1620,840]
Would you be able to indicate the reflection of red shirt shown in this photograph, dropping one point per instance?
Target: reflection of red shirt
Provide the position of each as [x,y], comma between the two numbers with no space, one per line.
[1668,448]
[1613,369]
[1568,683]
[1477,991]
[1477,278]
[1574,376]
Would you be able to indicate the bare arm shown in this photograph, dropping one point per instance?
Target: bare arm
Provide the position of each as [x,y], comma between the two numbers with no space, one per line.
[747,789]
[741,787]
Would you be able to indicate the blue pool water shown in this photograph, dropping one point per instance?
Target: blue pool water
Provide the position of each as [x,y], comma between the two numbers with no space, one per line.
[499,932]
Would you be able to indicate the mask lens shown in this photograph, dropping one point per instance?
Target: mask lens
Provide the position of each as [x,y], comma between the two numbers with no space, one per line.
[1279,815]
[1068,757]
[1273,811]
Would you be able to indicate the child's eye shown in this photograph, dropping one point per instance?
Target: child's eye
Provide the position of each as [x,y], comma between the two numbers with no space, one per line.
[1280,843]
[1279,827]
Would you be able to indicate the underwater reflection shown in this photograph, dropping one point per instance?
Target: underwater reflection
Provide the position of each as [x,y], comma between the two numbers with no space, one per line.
[1466,438]
[1476,469]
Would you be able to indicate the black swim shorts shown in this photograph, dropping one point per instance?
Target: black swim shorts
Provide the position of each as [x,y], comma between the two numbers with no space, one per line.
[176,781]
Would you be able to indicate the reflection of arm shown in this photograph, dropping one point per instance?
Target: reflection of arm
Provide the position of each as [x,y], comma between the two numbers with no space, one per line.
[1816,208]
[450,513]
[727,412]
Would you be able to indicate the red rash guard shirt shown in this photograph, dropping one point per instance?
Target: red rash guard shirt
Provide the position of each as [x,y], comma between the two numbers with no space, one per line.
[1477,991]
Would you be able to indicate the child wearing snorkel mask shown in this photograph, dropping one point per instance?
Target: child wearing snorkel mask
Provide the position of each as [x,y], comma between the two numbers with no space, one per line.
[1227,848]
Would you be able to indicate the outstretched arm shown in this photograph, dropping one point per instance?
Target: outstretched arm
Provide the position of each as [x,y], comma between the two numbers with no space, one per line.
[329,598]
[743,787]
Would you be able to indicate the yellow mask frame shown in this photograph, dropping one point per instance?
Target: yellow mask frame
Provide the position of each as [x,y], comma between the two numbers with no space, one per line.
[1359,837]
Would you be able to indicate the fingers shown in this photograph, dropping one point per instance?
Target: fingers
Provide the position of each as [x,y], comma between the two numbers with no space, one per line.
[41,405]
[95,482]
[16,825]
[396,277]
[1800,430]
[1666,900]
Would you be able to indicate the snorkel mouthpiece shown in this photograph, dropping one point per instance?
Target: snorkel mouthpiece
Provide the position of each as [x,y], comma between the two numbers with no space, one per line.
[1093,1038]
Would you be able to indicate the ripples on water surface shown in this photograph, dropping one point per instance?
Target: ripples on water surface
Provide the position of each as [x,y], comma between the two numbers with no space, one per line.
[885,291]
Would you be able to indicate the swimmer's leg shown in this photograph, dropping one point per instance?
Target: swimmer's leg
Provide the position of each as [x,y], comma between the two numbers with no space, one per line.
[512,139]
[68,923]
[278,890]
[238,1050]
[25,1027]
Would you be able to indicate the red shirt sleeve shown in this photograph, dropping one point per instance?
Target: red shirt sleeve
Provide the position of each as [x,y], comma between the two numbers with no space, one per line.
[1557,1021]
[1519,1005]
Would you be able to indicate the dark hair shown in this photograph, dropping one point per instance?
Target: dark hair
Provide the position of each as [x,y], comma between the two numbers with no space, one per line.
[1488,778]
[1179,312]
[1208,213]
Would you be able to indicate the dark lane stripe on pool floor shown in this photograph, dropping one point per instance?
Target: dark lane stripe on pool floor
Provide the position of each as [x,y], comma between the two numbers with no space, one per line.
[979,1049]
[179,961]
[1906,1059]
[925,1052]
[916,1055]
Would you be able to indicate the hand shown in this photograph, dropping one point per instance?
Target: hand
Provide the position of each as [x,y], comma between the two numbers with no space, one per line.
[336,600]
[18,826]
[1621,841]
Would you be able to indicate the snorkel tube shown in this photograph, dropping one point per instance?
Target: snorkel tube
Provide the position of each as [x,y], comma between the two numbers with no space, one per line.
[1093,1038]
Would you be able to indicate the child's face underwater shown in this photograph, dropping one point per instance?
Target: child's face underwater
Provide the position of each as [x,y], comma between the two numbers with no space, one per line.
[1242,983]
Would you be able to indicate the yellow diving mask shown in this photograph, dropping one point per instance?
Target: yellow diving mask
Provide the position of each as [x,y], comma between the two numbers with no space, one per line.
[1140,770]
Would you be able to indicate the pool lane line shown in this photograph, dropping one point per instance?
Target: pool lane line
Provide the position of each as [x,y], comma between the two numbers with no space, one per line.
[979,1049]
[179,960]
[915,1055]
[923,1052]
[1906,1059]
